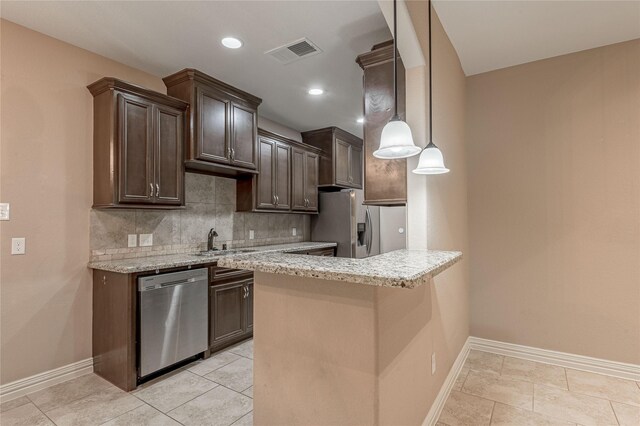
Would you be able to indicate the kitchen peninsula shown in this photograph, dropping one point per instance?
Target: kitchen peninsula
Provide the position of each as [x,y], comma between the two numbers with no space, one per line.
[342,341]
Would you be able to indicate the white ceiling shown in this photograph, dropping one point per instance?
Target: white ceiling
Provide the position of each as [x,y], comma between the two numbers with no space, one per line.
[164,37]
[489,35]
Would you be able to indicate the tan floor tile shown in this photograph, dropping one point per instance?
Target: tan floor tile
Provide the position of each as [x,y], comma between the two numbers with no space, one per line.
[248,392]
[244,349]
[237,376]
[24,415]
[505,415]
[69,391]
[466,410]
[14,403]
[462,376]
[167,394]
[214,362]
[246,420]
[628,415]
[144,415]
[484,361]
[602,386]
[574,407]
[220,406]
[536,372]
[95,409]
[496,388]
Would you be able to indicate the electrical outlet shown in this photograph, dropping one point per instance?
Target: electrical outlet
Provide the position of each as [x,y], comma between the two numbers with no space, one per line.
[4,211]
[294,231]
[433,363]
[252,235]
[18,245]
[146,240]
[132,240]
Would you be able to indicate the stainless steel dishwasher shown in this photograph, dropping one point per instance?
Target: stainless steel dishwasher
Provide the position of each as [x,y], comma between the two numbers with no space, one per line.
[173,318]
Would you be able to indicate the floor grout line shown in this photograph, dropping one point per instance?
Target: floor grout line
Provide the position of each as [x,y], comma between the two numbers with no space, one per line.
[493,407]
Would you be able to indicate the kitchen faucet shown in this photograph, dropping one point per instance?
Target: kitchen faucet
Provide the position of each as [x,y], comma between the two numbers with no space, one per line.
[210,239]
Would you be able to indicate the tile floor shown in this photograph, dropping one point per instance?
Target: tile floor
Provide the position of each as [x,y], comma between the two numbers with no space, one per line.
[215,391]
[490,390]
[499,390]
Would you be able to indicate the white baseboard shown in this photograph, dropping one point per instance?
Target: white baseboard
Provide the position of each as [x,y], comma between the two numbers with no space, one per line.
[441,398]
[563,359]
[44,380]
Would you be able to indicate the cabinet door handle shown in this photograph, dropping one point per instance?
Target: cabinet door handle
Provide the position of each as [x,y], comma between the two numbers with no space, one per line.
[157,190]
[229,153]
[233,154]
[274,199]
[277,200]
[151,186]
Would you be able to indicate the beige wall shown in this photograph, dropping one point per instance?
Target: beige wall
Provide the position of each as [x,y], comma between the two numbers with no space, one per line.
[554,195]
[46,156]
[443,197]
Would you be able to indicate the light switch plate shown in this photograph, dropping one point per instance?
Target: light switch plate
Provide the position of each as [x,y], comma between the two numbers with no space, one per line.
[146,240]
[294,231]
[251,234]
[4,211]
[132,240]
[18,245]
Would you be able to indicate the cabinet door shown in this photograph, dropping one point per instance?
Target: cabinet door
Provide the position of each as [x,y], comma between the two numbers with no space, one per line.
[169,162]
[342,162]
[135,133]
[243,136]
[355,169]
[227,313]
[298,180]
[283,176]
[311,181]
[249,306]
[212,124]
[265,195]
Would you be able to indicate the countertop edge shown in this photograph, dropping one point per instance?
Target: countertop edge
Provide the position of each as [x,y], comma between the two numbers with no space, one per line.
[112,265]
[412,281]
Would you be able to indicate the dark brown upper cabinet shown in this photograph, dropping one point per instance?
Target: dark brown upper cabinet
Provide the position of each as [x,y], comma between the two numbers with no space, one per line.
[385,181]
[273,188]
[304,182]
[138,141]
[341,157]
[287,179]
[223,124]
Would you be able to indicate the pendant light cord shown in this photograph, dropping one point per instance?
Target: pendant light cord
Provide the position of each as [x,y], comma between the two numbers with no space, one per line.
[430,86]
[395,61]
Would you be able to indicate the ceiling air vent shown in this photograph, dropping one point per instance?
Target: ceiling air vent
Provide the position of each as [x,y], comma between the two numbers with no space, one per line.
[293,51]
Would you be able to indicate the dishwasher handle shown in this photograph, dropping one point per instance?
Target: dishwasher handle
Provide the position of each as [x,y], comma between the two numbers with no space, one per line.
[171,280]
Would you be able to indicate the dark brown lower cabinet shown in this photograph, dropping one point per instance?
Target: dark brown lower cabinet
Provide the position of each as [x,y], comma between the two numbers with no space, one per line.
[230,310]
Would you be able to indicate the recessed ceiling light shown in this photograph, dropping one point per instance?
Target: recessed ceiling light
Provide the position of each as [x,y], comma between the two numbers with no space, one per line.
[360,120]
[315,92]
[231,42]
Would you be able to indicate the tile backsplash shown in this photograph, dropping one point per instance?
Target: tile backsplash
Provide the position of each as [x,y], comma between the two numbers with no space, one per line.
[210,203]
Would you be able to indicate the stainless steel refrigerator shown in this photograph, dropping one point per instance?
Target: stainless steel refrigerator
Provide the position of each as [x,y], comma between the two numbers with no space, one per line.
[359,230]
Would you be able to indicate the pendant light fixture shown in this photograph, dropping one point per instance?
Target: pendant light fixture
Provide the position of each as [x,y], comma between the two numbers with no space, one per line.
[396,140]
[431,161]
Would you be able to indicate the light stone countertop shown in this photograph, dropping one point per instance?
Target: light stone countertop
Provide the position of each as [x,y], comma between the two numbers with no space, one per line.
[399,268]
[151,263]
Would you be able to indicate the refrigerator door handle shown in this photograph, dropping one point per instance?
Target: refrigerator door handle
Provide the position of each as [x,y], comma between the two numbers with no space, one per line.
[369,231]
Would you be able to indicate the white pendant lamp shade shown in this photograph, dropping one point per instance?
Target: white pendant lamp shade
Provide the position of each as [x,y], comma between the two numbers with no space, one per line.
[431,162]
[396,141]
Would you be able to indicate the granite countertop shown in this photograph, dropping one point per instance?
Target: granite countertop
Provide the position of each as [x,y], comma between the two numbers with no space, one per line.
[150,263]
[399,268]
